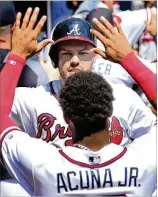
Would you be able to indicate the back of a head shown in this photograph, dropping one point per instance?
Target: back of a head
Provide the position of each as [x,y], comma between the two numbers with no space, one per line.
[86,100]
[7,13]
[97,13]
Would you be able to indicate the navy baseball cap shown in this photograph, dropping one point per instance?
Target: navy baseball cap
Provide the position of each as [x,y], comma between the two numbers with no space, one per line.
[97,13]
[7,13]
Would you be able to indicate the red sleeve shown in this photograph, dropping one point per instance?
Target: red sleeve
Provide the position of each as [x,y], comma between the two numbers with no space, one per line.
[9,77]
[145,78]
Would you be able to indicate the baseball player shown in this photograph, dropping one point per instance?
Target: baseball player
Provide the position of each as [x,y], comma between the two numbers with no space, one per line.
[92,162]
[132,22]
[37,110]
[110,68]
[113,41]
[146,45]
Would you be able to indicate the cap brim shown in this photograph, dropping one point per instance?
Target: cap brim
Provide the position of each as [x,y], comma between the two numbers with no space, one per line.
[65,38]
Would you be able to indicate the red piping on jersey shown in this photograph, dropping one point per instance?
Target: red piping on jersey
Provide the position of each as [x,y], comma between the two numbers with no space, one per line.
[154,61]
[96,165]
[53,92]
[147,39]
[115,3]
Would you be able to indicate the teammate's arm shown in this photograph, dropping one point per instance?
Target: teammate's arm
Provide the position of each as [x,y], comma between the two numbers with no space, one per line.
[16,146]
[119,49]
[24,45]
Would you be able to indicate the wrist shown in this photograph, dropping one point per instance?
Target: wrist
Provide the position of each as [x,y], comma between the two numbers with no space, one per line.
[20,55]
[126,54]
[16,57]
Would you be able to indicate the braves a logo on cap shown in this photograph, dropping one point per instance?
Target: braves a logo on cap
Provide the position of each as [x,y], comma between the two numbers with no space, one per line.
[75,30]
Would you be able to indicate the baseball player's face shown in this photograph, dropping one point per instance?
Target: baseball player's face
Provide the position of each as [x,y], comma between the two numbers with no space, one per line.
[74,56]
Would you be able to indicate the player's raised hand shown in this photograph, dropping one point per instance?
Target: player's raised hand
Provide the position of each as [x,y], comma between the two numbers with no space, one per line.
[115,42]
[24,37]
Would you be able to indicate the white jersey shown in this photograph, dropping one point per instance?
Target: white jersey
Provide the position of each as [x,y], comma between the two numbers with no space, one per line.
[147,47]
[49,171]
[37,111]
[115,73]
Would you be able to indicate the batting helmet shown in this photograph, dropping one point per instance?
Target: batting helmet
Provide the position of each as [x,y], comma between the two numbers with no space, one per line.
[70,29]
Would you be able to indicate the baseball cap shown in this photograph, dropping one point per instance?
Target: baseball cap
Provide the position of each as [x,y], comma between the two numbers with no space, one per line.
[71,29]
[7,13]
[97,13]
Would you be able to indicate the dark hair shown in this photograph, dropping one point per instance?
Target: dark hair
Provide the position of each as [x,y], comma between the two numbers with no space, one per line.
[86,100]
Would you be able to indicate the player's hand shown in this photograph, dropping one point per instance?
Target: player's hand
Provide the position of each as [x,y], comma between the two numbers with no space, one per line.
[24,37]
[115,43]
[152,26]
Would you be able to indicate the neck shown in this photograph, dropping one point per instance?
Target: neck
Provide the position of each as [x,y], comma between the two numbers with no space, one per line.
[4,44]
[5,41]
[62,81]
[96,141]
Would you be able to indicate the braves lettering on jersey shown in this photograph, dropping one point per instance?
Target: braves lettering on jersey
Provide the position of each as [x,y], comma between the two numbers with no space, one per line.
[43,118]
[126,171]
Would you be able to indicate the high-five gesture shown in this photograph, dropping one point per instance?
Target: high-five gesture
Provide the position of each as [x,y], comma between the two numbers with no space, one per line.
[24,37]
[115,42]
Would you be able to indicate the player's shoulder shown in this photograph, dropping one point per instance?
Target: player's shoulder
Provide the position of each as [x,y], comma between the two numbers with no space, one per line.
[139,147]
[121,90]
[126,96]
[35,92]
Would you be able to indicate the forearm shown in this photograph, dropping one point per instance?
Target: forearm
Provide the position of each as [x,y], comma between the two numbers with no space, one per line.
[9,77]
[145,78]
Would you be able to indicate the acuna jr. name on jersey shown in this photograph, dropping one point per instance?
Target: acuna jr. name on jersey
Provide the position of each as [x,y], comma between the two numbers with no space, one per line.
[96,178]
